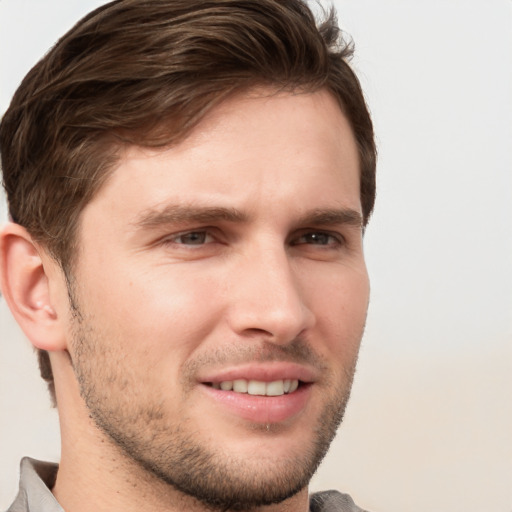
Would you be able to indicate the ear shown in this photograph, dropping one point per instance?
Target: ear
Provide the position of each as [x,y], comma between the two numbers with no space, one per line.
[25,284]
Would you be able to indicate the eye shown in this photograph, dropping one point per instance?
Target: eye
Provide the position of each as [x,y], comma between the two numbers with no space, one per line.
[191,238]
[319,238]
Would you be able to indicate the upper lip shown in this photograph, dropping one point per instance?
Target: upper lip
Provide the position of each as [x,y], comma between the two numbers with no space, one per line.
[266,372]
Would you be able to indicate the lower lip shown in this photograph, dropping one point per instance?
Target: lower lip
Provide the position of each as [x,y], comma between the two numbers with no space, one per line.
[262,409]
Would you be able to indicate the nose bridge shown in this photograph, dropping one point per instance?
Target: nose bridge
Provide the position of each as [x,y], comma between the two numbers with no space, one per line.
[267,296]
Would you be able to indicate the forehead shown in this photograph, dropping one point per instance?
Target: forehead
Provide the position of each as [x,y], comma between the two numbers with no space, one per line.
[250,150]
[266,116]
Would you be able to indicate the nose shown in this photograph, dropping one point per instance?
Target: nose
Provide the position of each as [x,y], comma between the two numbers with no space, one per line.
[267,298]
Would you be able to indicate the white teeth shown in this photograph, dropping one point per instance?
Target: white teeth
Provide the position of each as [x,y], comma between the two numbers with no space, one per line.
[226,385]
[294,384]
[240,386]
[275,388]
[257,387]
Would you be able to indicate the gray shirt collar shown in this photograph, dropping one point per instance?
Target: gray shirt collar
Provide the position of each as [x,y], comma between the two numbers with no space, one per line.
[36,480]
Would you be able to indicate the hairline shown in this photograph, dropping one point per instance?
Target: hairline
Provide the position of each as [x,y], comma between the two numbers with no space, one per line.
[116,147]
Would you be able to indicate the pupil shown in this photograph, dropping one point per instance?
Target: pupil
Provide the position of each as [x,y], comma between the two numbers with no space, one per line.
[195,238]
[319,238]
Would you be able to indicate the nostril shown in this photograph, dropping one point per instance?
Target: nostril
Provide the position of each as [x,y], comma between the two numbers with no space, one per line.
[257,332]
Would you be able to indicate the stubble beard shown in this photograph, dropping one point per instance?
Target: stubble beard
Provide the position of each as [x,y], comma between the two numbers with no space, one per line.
[169,449]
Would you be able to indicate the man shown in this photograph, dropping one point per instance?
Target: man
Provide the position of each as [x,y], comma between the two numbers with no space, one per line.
[188,184]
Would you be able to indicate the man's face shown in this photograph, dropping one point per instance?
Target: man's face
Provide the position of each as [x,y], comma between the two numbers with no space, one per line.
[233,259]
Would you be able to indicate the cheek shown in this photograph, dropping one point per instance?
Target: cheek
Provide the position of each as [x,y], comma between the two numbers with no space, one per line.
[341,307]
[153,315]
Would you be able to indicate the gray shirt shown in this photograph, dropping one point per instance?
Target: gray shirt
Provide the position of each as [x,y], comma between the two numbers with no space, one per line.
[37,478]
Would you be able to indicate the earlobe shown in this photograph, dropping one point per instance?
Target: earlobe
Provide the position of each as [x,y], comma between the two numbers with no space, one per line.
[25,286]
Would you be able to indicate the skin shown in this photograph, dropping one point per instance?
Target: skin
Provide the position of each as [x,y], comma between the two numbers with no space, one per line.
[195,262]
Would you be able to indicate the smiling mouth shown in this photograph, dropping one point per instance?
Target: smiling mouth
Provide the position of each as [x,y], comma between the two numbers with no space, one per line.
[258,387]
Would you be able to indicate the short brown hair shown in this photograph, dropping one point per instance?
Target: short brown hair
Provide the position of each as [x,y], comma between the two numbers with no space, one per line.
[144,73]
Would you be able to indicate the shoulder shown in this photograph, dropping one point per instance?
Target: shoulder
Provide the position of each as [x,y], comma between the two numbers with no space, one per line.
[333,501]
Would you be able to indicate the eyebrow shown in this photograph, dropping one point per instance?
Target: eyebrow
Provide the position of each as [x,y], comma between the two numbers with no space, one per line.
[173,214]
[331,217]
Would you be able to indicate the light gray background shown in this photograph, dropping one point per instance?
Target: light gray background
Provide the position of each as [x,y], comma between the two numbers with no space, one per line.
[430,422]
